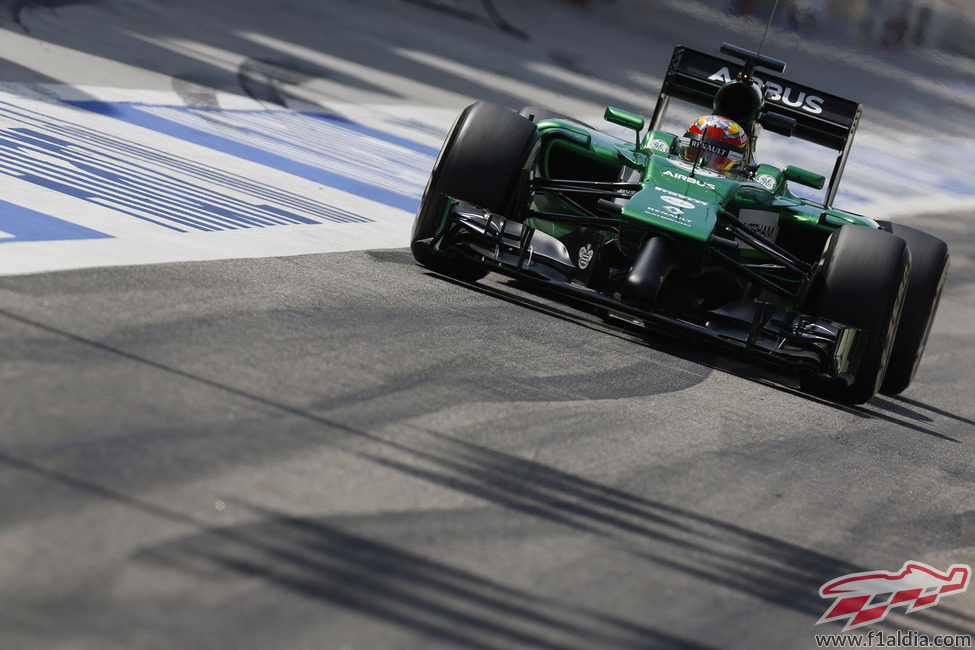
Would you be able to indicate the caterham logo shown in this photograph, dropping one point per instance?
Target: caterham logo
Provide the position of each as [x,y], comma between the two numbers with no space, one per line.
[585,256]
[677,201]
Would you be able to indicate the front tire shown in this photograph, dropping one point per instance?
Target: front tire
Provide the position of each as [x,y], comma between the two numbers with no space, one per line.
[538,113]
[929,268]
[861,281]
[484,161]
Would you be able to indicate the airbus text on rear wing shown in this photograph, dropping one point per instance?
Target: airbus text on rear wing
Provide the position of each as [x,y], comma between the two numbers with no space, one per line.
[821,118]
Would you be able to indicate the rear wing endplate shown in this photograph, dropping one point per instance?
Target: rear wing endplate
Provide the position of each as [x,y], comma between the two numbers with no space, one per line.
[821,118]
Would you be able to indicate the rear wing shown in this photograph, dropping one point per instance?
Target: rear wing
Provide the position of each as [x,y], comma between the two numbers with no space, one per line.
[821,118]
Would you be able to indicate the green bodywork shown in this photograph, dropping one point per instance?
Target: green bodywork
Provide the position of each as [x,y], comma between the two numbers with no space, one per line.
[630,228]
[676,200]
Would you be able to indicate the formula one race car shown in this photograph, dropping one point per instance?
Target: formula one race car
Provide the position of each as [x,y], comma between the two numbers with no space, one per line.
[687,232]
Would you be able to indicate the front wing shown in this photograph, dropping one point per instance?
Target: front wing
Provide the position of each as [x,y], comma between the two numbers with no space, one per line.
[759,330]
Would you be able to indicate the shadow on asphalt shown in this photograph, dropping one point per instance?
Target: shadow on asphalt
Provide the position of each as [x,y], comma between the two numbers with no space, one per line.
[898,410]
[328,560]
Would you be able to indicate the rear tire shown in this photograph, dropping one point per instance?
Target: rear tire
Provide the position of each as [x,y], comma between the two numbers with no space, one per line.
[861,281]
[929,268]
[484,161]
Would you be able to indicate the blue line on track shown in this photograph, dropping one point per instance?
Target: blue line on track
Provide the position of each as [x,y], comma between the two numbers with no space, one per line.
[18,224]
[198,130]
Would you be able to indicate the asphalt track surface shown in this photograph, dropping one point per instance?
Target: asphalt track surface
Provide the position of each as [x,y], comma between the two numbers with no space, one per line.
[347,451]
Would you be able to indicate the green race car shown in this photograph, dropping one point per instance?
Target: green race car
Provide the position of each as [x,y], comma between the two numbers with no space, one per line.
[687,231]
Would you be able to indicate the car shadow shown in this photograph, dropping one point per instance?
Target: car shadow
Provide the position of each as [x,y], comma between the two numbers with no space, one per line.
[571,310]
[903,412]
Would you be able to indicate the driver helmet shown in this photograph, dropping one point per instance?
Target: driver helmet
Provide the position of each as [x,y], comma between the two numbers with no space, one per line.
[723,146]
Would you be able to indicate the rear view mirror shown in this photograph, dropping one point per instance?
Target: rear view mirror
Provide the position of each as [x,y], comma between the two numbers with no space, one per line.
[623,118]
[803,177]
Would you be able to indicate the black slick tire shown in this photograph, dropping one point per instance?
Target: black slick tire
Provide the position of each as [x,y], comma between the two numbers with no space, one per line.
[861,281]
[929,268]
[484,161]
[538,113]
